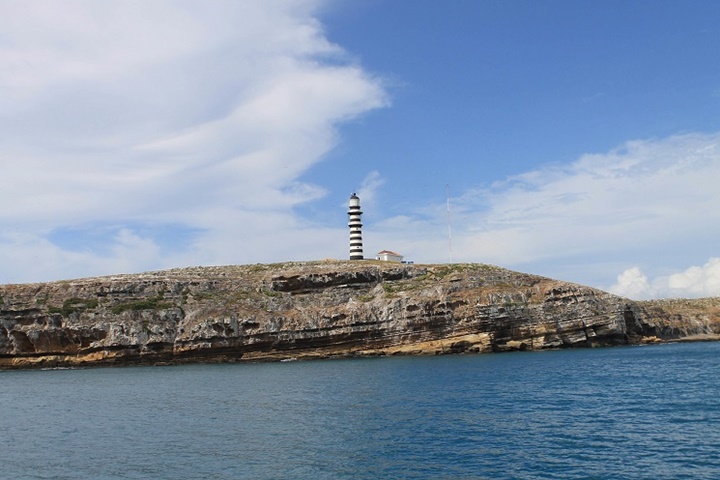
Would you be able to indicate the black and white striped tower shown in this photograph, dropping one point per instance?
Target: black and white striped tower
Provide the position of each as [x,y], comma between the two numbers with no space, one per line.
[354,212]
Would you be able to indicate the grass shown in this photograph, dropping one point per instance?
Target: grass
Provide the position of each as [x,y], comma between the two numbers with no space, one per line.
[442,271]
[204,295]
[155,303]
[74,305]
[270,293]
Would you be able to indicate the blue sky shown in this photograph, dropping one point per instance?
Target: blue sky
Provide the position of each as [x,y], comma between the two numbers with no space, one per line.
[577,140]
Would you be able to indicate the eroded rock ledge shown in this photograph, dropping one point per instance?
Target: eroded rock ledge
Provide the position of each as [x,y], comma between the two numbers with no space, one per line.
[323,309]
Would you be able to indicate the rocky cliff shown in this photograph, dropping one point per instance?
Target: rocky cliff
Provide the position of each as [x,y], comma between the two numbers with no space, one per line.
[322,309]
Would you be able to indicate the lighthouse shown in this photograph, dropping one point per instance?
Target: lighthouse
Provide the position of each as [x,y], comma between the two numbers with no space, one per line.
[355,224]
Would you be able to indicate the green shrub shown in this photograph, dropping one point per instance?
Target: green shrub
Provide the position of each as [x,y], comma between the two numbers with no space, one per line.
[270,293]
[155,303]
[74,305]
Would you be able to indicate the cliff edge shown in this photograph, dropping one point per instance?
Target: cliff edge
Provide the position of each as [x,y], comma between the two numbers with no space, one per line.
[323,309]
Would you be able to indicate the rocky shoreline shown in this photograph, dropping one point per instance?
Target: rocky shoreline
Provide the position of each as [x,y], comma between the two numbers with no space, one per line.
[324,309]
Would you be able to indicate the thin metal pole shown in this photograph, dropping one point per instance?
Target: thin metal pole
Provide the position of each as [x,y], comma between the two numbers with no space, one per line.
[447,194]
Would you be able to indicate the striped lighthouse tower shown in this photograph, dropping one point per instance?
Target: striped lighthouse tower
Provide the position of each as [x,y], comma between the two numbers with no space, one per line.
[356,250]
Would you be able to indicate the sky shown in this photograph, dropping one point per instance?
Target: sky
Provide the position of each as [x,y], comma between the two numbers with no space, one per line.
[574,140]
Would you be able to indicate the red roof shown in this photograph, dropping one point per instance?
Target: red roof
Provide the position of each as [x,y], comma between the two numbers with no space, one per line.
[389,252]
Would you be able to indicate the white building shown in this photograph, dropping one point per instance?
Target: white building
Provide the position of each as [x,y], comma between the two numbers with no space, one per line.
[389,256]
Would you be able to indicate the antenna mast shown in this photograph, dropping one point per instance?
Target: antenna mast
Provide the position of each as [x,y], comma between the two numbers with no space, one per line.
[447,195]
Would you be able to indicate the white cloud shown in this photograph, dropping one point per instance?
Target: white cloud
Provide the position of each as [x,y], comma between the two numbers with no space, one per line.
[202,115]
[370,184]
[633,283]
[33,257]
[646,193]
[697,281]
[693,282]
[653,202]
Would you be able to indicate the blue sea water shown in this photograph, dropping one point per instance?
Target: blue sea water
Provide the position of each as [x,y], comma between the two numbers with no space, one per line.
[631,412]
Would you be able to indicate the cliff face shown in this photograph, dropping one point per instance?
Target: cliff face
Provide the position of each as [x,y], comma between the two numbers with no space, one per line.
[318,309]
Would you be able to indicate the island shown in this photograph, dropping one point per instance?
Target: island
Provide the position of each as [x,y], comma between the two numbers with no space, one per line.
[324,309]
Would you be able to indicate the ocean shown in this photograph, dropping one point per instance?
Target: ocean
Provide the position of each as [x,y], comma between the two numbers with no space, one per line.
[626,412]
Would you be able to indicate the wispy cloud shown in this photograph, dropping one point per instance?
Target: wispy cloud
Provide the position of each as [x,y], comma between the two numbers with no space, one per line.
[369,187]
[585,221]
[197,116]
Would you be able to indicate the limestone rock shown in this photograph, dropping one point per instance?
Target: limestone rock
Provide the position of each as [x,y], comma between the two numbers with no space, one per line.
[322,309]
